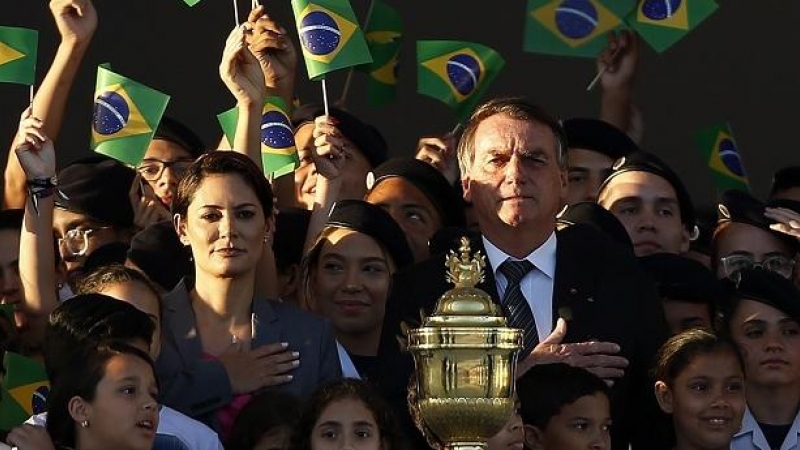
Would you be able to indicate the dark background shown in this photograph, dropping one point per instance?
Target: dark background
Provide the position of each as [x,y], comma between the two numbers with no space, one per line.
[740,66]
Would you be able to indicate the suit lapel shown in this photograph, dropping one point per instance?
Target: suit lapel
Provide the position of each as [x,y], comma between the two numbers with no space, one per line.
[182,323]
[574,284]
[267,328]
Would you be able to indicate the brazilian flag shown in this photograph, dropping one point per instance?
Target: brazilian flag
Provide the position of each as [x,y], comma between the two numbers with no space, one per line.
[457,73]
[18,48]
[125,117]
[329,36]
[662,23]
[572,27]
[24,390]
[722,156]
[278,151]
[384,30]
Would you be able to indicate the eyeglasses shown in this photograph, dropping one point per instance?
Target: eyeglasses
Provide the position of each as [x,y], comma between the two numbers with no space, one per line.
[779,264]
[152,169]
[76,241]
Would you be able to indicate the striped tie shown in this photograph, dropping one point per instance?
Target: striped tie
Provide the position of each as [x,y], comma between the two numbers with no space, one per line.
[514,304]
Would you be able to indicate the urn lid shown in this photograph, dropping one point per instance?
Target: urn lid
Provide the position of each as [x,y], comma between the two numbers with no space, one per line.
[465,305]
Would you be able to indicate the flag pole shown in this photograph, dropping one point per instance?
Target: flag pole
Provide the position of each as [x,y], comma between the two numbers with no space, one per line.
[455,129]
[235,14]
[325,96]
[349,78]
[596,78]
[30,105]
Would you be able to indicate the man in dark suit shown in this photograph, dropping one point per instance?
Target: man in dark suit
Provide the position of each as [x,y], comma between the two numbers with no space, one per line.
[579,297]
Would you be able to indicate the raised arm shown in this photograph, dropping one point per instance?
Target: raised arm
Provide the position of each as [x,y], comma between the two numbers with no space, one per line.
[329,156]
[76,21]
[620,60]
[241,73]
[275,51]
[37,268]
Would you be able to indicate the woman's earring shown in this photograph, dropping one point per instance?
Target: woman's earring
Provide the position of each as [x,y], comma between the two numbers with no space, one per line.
[85,424]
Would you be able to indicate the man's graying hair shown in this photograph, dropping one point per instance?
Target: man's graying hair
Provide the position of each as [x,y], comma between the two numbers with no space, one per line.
[516,108]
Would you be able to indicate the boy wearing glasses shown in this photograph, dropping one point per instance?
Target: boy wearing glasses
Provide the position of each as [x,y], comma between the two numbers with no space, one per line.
[743,238]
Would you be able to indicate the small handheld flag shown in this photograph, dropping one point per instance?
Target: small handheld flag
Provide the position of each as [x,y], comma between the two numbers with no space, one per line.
[125,117]
[24,390]
[456,73]
[723,158]
[662,23]
[572,27]
[278,150]
[18,48]
[329,36]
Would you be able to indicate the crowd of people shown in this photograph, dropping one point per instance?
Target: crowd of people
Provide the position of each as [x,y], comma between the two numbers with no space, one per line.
[190,303]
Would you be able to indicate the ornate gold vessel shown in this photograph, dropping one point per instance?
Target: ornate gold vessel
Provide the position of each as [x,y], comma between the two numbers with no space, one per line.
[465,359]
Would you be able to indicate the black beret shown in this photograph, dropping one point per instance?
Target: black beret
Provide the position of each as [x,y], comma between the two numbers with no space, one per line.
[590,213]
[785,178]
[158,252]
[368,139]
[741,207]
[98,187]
[291,225]
[373,221]
[172,130]
[767,287]
[429,181]
[681,278]
[598,136]
[648,162]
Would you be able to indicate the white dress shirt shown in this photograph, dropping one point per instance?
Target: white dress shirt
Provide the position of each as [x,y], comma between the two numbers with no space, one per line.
[536,286]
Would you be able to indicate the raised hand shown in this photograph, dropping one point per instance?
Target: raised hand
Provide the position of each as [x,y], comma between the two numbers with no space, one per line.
[331,147]
[30,437]
[147,208]
[268,365]
[440,152]
[241,71]
[34,149]
[619,60]
[600,358]
[788,221]
[274,50]
[76,19]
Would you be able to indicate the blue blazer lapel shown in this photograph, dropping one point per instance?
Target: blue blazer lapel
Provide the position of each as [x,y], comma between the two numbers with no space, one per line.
[182,324]
[266,326]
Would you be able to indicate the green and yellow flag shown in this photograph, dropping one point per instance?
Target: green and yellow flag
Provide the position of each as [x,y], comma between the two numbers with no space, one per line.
[457,73]
[383,32]
[572,27]
[278,151]
[18,48]
[722,156]
[662,23]
[329,36]
[24,390]
[125,117]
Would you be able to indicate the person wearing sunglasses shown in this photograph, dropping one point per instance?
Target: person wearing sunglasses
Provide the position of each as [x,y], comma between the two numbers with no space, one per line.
[743,239]
[173,148]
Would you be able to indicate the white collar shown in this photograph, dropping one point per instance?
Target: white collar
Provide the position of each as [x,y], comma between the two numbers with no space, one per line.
[543,257]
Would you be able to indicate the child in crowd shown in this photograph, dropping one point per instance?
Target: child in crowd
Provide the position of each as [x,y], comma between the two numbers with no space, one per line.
[346,413]
[564,408]
[700,381]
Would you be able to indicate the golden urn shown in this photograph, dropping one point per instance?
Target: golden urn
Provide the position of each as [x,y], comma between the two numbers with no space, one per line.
[465,359]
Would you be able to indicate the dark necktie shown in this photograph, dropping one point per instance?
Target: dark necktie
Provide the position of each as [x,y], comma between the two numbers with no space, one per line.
[516,308]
